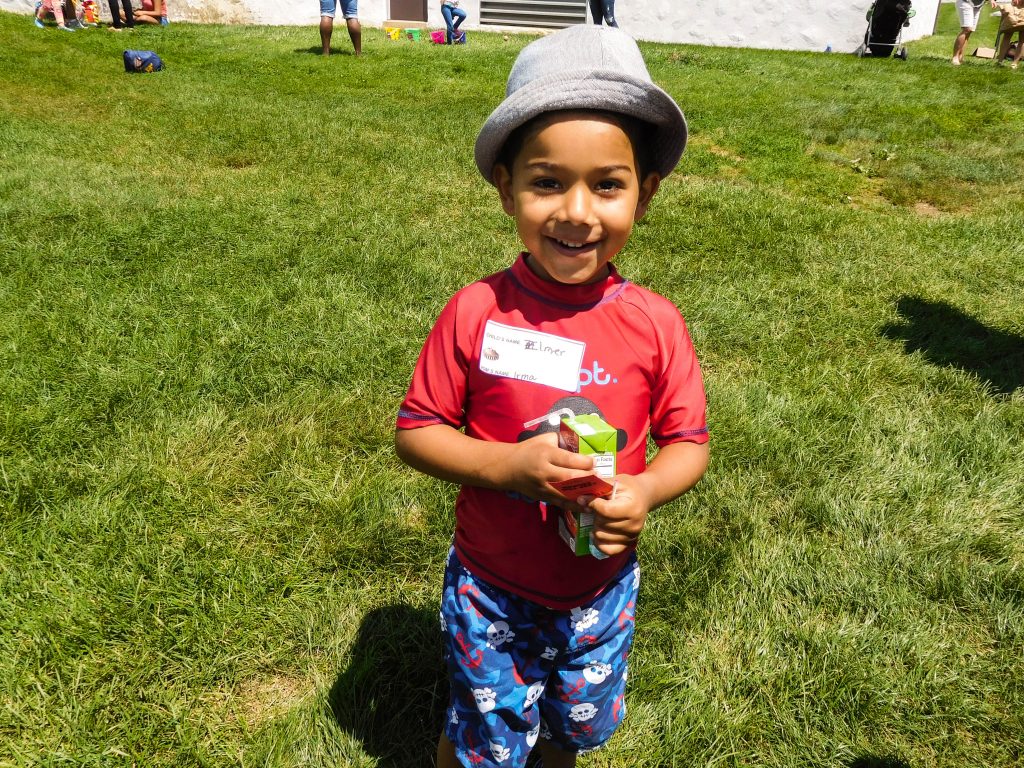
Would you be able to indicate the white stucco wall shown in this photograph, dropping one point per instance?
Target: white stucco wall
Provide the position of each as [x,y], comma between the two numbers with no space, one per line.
[787,24]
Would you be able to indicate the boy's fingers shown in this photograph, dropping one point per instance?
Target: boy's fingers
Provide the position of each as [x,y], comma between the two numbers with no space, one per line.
[607,536]
[603,508]
[571,460]
[612,547]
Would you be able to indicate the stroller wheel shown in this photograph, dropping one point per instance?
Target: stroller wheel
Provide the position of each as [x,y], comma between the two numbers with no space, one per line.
[859,53]
[902,54]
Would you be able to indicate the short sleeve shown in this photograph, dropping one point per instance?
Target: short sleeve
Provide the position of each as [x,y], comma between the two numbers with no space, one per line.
[678,402]
[437,392]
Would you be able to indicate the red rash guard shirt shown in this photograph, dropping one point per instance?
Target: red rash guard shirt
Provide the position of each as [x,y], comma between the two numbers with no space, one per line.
[512,348]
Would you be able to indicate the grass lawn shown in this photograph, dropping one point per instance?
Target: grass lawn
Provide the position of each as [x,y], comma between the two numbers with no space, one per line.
[214,282]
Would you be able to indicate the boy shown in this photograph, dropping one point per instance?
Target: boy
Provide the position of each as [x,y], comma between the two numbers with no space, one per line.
[536,637]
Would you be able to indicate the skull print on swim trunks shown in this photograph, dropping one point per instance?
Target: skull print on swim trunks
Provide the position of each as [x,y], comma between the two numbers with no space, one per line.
[520,671]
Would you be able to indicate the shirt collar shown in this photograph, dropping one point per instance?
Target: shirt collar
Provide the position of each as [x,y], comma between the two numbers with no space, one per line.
[566,295]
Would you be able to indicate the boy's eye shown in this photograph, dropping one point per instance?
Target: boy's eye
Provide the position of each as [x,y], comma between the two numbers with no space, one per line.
[545,183]
[607,185]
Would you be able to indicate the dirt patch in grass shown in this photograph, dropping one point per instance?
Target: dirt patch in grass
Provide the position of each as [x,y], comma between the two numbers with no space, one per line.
[927,210]
[264,698]
[722,152]
[869,197]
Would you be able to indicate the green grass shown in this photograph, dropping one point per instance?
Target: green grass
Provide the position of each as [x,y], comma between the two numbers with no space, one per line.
[214,282]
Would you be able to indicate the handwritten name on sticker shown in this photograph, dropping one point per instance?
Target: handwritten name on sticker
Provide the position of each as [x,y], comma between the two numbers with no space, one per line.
[528,355]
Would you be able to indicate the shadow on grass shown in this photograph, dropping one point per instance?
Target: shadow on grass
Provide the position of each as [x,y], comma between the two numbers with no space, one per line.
[873,761]
[947,336]
[316,50]
[394,692]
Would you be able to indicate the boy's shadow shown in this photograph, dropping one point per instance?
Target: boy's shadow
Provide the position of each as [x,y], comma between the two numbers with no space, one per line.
[393,695]
[873,761]
[947,336]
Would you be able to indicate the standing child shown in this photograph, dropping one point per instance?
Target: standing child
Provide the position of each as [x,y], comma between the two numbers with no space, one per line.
[536,638]
[453,17]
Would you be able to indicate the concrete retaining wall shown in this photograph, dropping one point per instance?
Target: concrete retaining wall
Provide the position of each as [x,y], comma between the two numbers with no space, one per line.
[808,25]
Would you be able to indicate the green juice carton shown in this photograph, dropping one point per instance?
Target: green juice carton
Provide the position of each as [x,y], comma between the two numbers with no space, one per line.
[589,435]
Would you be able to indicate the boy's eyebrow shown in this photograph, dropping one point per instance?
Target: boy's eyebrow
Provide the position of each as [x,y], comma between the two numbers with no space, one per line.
[544,165]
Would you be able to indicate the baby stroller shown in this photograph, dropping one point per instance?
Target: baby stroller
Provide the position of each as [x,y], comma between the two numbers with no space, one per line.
[886,20]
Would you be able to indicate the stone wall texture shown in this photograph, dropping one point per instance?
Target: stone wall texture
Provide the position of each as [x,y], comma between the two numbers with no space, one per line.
[807,25]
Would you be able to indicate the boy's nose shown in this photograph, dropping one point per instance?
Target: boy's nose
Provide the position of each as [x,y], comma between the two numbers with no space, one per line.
[576,208]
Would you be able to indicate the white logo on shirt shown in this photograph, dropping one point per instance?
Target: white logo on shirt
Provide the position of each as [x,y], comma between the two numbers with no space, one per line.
[595,375]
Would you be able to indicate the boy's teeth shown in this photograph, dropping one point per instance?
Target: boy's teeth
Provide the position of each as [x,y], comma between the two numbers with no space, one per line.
[571,245]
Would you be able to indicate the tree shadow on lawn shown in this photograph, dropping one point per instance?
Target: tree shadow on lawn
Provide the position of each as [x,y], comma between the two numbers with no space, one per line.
[393,695]
[947,336]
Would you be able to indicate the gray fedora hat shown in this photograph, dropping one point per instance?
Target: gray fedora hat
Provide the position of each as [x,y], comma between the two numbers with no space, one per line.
[583,67]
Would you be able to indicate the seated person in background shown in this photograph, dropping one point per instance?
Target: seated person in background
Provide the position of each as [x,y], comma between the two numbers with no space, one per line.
[453,17]
[59,10]
[151,12]
[1012,21]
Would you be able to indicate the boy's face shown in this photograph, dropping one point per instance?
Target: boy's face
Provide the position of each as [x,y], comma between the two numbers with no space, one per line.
[575,191]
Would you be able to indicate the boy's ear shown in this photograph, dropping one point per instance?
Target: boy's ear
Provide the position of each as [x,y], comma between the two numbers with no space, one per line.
[648,187]
[503,181]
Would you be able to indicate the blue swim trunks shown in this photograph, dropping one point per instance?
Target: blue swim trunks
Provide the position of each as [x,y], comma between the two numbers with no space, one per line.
[520,671]
[349,8]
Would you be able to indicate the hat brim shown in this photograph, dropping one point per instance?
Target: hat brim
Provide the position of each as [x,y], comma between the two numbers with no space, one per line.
[597,90]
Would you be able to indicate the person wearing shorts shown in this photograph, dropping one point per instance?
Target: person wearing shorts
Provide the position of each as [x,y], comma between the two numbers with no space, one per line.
[969,12]
[556,675]
[536,636]
[350,12]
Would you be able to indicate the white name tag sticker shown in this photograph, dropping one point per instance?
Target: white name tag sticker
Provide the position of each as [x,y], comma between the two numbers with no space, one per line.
[519,353]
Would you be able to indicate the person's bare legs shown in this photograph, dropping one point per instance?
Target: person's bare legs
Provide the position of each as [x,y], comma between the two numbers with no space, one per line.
[959,45]
[555,757]
[1004,46]
[355,33]
[446,753]
[1020,48]
[326,28]
[58,15]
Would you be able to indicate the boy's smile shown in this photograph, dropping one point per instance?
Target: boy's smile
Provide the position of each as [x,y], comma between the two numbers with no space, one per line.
[575,192]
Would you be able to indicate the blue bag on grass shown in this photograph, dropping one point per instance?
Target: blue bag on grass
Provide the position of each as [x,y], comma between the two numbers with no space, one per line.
[142,61]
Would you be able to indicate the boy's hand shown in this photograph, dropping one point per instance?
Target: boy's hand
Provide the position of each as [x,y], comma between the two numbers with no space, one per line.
[528,468]
[673,471]
[619,520]
[534,464]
